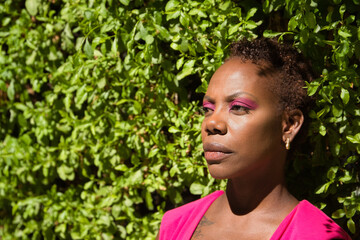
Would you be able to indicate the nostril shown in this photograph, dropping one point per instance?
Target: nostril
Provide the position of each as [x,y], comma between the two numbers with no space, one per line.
[215,131]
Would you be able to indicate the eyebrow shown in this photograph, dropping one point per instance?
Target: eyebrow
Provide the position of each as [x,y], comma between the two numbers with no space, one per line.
[232,96]
[238,94]
[208,99]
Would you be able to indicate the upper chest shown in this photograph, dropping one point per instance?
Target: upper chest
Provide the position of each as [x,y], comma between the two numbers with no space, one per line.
[217,228]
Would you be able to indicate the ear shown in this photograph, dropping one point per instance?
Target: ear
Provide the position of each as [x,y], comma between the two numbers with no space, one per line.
[291,124]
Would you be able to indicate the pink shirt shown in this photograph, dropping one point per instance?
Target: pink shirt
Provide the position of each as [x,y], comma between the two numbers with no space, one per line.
[305,221]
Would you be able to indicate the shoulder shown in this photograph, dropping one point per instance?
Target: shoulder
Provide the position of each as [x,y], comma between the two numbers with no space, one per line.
[313,223]
[183,220]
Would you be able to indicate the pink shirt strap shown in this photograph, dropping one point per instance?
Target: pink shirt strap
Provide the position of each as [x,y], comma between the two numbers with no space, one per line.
[308,222]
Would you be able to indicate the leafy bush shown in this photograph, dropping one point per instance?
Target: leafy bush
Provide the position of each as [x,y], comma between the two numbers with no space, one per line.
[99,109]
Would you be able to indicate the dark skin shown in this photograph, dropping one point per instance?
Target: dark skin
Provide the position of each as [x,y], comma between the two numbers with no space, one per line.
[243,135]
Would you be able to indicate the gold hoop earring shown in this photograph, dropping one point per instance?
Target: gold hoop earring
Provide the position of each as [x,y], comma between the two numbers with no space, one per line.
[287,145]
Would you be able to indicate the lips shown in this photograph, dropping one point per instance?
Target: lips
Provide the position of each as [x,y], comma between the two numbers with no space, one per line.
[215,152]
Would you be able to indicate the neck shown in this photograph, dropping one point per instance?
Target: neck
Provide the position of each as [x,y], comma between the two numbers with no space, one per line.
[246,194]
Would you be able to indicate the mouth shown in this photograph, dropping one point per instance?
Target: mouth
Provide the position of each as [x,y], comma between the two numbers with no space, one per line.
[214,152]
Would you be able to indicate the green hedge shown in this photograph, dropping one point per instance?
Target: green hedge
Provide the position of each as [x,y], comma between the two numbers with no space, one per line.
[99,109]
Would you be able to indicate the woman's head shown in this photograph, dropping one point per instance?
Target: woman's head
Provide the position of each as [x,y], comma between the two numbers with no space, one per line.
[285,66]
[248,116]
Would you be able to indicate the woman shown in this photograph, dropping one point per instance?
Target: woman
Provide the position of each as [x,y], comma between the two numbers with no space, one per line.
[254,108]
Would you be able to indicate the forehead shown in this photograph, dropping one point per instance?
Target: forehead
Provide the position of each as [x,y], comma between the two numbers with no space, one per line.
[236,75]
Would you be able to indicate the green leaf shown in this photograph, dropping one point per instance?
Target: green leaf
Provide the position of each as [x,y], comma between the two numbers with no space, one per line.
[310,20]
[81,96]
[342,10]
[125,2]
[171,5]
[163,32]
[344,33]
[179,63]
[137,177]
[354,139]
[235,28]
[149,200]
[196,188]
[184,46]
[336,110]
[345,96]
[184,73]
[323,188]
[89,52]
[174,46]
[121,167]
[65,172]
[11,91]
[32,6]
[31,59]
[101,83]
[149,39]
[250,13]
[184,20]
[293,23]
[88,185]
[189,63]
[312,88]
[137,107]
[3,85]
[224,5]
[304,36]
[88,14]
[338,214]
[174,170]
[322,130]
[173,129]
[344,48]
[271,34]
[351,226]
[203,87]
[122,101]
[115,211]
[331,174]
[346,178]
[194,11]
[173,15]
[153,152]
[114,47]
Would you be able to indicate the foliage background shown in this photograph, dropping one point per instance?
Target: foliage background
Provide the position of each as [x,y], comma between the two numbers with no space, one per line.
[99,109]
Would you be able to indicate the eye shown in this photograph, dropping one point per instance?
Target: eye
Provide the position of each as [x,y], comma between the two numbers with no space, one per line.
[208,107]
[239,108]
[205,110]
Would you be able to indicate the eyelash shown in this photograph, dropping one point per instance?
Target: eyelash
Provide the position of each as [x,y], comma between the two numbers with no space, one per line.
[239,107]
[205,109]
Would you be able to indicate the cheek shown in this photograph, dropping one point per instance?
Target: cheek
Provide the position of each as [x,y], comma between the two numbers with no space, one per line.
[256,130]
[203,124]
[270,130]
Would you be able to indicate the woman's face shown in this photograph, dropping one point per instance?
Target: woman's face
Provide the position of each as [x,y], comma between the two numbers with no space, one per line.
[242,129]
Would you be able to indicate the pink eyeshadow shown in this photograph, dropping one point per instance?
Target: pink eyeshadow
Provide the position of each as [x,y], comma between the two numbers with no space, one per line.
[244,102]
[209,105]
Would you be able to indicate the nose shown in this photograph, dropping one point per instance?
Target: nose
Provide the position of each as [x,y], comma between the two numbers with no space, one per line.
[216,123]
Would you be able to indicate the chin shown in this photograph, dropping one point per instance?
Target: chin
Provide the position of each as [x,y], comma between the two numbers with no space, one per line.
[218,172]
